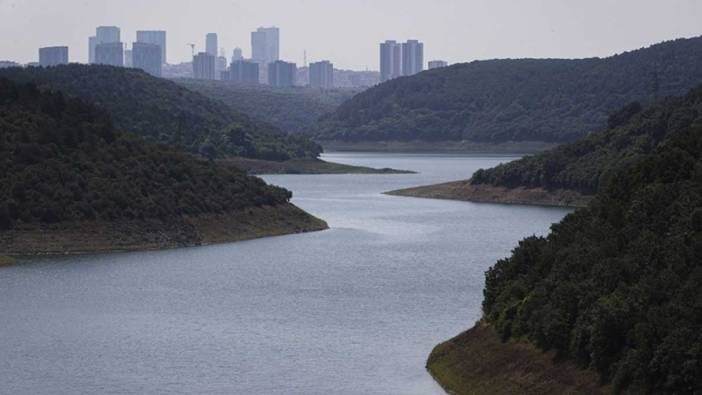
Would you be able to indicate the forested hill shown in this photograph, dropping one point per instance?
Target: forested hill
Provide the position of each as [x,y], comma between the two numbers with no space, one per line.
[495,101]
[585,165]
[616,285]
[62,160]
[162,111]
[294,110]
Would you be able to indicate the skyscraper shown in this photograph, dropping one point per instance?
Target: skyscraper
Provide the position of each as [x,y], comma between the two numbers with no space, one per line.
[390,60]
[211,44]
[52,56]
[110,53]
[265,44]
[157,37]
[412,57]
[282,74]
[244,71]
[107,34]
[92,42]
[147,57]
[436,64]
[322,74]
[237,55]
[203,66]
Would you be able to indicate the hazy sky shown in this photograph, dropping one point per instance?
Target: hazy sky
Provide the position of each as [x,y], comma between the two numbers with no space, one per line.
[347,32]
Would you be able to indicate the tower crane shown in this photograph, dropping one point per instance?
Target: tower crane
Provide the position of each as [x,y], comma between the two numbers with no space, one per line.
[192,48]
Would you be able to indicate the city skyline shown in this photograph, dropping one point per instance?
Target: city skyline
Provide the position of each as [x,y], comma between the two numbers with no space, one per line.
[455,31]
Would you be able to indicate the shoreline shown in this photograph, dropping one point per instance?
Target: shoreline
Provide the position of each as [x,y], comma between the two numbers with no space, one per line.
[455,147]
[304,166]
[478,362]
[484,193]
[92,237]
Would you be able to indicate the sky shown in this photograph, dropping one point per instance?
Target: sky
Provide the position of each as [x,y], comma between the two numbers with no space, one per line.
[347,32]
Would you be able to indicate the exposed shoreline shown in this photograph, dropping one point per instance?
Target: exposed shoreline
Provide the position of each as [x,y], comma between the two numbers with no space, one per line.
[154,234]
[455,147]
[465,191]
[477,362]
[304,166]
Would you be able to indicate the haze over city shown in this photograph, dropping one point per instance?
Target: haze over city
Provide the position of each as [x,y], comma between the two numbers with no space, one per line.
[348,33]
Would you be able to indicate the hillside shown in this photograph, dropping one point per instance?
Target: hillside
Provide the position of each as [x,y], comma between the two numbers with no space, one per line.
[164,112]
[570,174]
[497,101]
[582,166]
[615,286]
[73,183]
[294,110]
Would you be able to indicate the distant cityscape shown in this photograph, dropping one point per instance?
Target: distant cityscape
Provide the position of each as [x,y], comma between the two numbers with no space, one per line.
[149,53]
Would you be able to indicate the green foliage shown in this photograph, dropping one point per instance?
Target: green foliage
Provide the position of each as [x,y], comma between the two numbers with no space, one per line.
[582,166]
[164,112]
[294,110]
[495,101]
[62,160]
[615,286]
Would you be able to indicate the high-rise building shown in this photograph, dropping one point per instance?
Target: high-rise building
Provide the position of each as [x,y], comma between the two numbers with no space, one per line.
[128,58]
[237,55]
[110,53]
[437,64]
[412,57]
[282,74]
[147,57]
[52,56]
[220,67]
[390,60]
[265,45]
[211,44]
[92,42]
[157,37]
[107,34]
[244,71]
[322,74]
[203,66]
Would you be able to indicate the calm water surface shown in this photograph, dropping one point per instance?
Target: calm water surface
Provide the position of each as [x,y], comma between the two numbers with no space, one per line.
[352,310]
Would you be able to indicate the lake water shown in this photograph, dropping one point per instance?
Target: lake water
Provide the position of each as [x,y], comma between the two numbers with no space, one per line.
[352,310]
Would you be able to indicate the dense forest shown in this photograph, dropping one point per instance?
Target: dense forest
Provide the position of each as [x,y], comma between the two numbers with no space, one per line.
[495,101]
[581,166]
[62,160]
[294,110]
[615,286]
[164,112]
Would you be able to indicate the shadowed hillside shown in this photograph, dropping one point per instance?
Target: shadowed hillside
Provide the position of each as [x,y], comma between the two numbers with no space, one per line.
[294,110]
[496,101]
[162,111]
[615,286]
[66,172]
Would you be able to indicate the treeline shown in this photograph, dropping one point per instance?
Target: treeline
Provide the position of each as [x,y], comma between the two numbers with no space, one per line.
[164,112]
[494,101]
[62,160]
[615,286]
[294,110]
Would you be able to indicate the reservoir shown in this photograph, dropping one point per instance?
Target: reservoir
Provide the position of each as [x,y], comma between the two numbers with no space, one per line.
[355,309]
